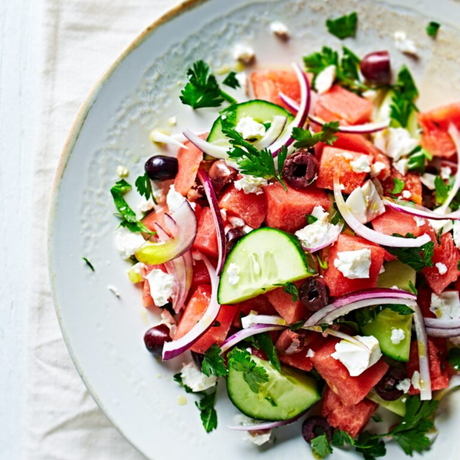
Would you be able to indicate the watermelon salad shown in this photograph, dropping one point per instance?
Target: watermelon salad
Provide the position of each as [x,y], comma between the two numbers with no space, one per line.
[303,250]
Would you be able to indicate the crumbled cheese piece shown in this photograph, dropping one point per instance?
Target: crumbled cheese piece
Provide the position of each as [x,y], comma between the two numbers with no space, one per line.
[172,121]
[279,29]
[395,142]
[128,242]
[236,221]
[446,305]
[243,80]
[175,199]
[347,156]
[377,168]
[404,385]
[370,95]
[146,205]
[258,437]
[382,269]
[427,180]
[122,171]
[168,320]
[442,269]
[354,264]
[420,222]
[446,172]
[325,79]
[365,202]
[416,382]
[456,228]
[406,194]
[243,53]
[196,380]
[358,358]
[361,164]
[233,272]
[159,137]
[310,353]
[161,286]
[320,214]
[404,44]
[402,166]
[397,336]
[114,290]
[251,184]
[249,128]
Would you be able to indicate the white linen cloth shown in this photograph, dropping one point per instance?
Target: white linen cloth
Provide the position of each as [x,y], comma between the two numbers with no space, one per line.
[80,39]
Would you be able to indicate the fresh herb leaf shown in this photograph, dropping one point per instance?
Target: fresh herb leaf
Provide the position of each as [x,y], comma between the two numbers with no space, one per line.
[441,190]
[253,375]
[413,288]
[144,187]
[417,258]
[454,358]
[403,310]
[377,418]
[90,265]
[343,27]
[458,265]
[265,342]
[305,139]
[349,66]
[432,28]
[342,438]
[178,379]
[322,263]
[398,186]
[213,362]
[317,62]
[402,103]
[310,219]
[320,446]
[370,446]
[231,80]
[292,290]
[418,159]
[208,413]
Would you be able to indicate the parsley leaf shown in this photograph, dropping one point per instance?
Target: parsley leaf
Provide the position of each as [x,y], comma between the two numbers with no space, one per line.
[292,290]
[417,258]
[441,190]
[418,158]
[144,187]
[322,263]
[265,342]
[90,265]
[402,102]
[398,186]
[454,358]
[178,379]
[253,375]
[432,28]
[231,80]
[305,139]
[343,27]
[317,62]
[213,362]
[370,446]
[320,446]
[403,310]
[208,413]
[342,438]
[310,219]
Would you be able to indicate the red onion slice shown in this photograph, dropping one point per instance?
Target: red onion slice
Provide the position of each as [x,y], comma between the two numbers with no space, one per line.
[338,334]
[420,211]
[267,425]
[212,150]
[384,293]
[273,320]
[372,235]
[177,347]
[217,216]
[274,132]
[436,323]
[443,333]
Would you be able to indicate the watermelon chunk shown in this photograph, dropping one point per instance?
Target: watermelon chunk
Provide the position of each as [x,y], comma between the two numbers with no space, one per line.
[349,418]
[337,162]
[289,310]
[350,390]
[435,125]
[448,255]
[260,304]
[440,371]
[412,183]
[156,216]
[252,208]
[200,274]
[206,237]
[195,310]
[189,160]
[340,104]
[392,221]
[338,284]
[287,210]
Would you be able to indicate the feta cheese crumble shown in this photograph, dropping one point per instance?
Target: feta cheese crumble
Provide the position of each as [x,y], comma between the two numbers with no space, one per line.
[175,199]
[402,166]
[251,184]
[361,164]
[395,142]
[172,121]
[310,353]
[397,336]
[446,305]
[243,53]
[377,168]
[358,358]
[195,379]
[325,79]
[279,29]
[456,232]
[404,385]
[233,272]
[127,242]
[258,437]
[354,264]
[404,44]
[114,290]
[161,286]
[406,194]
[415,380]
[427,180]
[249,128]
[442,269]
[446,172]
[122,171]
[365,202]
[419,221]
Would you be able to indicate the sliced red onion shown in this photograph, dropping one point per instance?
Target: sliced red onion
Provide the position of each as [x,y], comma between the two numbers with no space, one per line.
[443,333]
[251,319]
[266,425]
[217,216]
[293,105]
[164,251]
[455,135]
[273,133]
[437,323]
[372,294]
[330,238]
[420,211]
[210,149]
[249,332]
[372,235]
[338,334]
[177,347]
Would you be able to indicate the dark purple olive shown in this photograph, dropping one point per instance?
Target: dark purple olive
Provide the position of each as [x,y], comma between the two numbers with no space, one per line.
[386,388]
[156,337]
[221,175]
[314,293]
[233,236]
[300,169]
[161,167]
[315,426]
[198,359]
[376,67]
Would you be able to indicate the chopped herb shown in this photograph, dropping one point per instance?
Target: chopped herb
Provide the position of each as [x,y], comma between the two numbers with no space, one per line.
[253,375]
[207,410]
[343,27]
[320,446]
[342,438]
[377,418]
[432,28]
[403,310]
[417,258]
[458,265]
[178,379]
[317,62]
[213,362]
[266,343]
[216,324]
[305,139]
[398,186]
[413,288]
[90,265]
[441,190]
[231,80]
[144,187]
[322,263]
[310,219]
[418,159]
[292,290]
[402,103]
[454,358]
[370,446]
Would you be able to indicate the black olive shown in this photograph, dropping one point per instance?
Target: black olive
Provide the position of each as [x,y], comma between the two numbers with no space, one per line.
[233,236]
[221,175]
[198,359]
[376,67]
[161,167]
[314,293]
[156,337]
[300,169]
[316,426]
[386,388]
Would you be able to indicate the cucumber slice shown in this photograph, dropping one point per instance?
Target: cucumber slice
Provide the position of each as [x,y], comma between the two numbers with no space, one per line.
[264,259]
[397,274]
[398,407]
[381,328]
[261,111]
[286,394]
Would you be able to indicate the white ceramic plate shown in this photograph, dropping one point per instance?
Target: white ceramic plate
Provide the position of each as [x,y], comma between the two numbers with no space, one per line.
[140,91]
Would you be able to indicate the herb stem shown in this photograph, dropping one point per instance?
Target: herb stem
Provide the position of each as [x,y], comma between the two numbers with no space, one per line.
[227,97]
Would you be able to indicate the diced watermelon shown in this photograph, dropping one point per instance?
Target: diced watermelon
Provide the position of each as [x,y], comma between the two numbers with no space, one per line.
[338,284]
[340,104]
[440,371]
[351,390]
[349,418]
[189,161]
[412,183]
[448,255]
[195,310]
[424,301]
[260,304]
[392,221]
[284,305]
[252,208]
[206,237]
[156,216]
[200,274]
[287,210]
[435,125]
[337,162]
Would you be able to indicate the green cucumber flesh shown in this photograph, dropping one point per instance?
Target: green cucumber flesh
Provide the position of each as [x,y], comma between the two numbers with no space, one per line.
[266,258]
[398,406]
[397,274]
[286,394]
